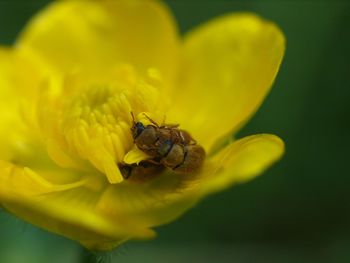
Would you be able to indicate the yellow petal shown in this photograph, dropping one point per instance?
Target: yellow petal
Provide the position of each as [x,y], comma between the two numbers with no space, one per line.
[98,34]
[19,80]
[168,196]
[18,76]
[150,203]
[68,209]
[241,161]
[229,66]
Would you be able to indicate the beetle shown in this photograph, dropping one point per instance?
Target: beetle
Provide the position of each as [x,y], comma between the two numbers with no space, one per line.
[168,145]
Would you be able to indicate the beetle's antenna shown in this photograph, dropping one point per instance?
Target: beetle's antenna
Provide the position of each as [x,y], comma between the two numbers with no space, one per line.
[132,116]
[152,121]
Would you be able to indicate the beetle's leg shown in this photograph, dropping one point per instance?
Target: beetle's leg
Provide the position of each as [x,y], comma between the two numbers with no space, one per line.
[154,161]
[170,126]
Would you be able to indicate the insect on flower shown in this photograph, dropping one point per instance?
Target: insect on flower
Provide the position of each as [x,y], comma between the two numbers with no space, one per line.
[168,146]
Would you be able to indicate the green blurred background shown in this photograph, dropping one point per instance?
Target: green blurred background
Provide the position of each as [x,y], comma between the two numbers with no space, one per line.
[298,211]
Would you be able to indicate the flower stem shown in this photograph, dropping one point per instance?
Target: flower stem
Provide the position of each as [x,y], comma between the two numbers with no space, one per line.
[86,256]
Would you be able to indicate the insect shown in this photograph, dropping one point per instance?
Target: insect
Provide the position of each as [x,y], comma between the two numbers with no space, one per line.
[149,138]
[168,145]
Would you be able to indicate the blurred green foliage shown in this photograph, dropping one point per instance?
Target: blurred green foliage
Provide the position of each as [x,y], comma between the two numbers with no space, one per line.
[299,210]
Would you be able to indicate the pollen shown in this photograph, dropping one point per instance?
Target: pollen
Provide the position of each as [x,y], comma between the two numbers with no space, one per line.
[94,120]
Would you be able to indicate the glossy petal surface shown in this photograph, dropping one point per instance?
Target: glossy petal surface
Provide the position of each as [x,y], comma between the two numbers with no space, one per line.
[98,34]
[228,67]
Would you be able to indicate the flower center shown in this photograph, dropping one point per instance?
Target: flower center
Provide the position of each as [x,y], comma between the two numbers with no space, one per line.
[95,119]
[97,127]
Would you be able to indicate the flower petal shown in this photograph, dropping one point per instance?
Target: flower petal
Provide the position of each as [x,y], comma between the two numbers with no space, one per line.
[19,80]
[98,34]
[18,74]
[229,66]
[150,203]
[68,209]
[166,197]
[241,161]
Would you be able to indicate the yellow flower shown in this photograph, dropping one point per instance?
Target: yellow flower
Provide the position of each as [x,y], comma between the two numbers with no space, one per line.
[67,88]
